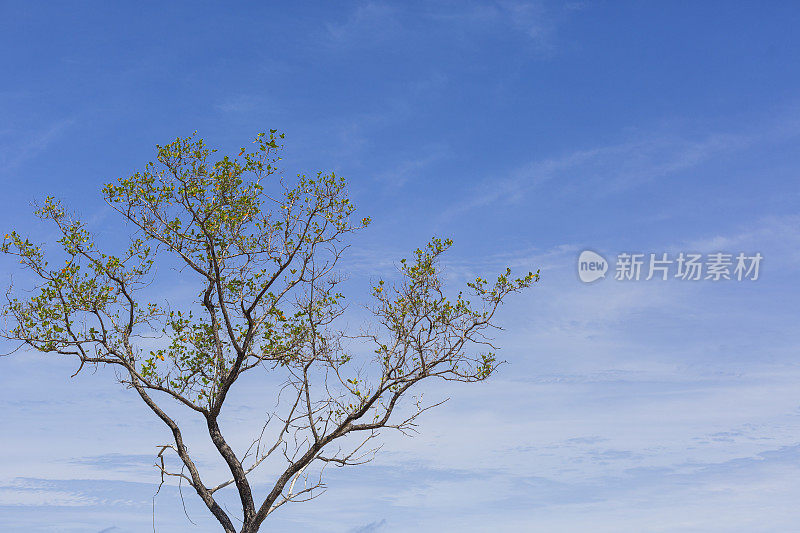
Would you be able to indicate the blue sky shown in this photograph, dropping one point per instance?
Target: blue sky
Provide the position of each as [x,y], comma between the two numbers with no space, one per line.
[527,132]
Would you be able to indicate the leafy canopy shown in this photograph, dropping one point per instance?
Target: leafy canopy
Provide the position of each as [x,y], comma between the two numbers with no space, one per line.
[262,255]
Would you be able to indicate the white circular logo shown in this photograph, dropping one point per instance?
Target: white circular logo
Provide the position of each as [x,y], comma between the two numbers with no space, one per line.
[591,266]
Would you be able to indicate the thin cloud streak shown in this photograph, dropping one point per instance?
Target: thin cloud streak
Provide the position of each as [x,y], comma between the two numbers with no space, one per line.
[606,170]
[17,152]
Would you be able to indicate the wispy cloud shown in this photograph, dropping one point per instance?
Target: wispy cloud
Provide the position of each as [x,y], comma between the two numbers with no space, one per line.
[372,527]
[528,18]
[346,138]
[368,22]
[604,170]
[36,497]
[247,103]
[535,22]
[411,167]
[140,464]
[17,147]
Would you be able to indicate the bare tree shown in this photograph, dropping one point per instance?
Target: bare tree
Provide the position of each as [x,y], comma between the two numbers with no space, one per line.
[263,255]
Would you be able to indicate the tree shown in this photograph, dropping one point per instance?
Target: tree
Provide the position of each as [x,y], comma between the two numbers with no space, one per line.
[263,255]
